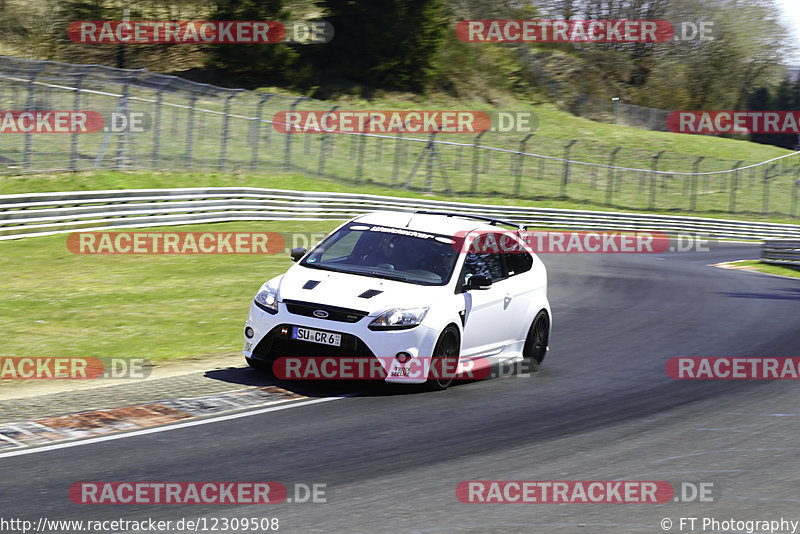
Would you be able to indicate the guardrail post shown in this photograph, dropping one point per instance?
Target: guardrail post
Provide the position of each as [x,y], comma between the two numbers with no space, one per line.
[475,162]
[256,140]
[695,172]
[225,129]
[566,167]
[287,160]
[654,178]
[520,160]
[610,184]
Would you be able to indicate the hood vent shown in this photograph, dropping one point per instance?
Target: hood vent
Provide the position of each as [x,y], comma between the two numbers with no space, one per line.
[369,293]
[311,284]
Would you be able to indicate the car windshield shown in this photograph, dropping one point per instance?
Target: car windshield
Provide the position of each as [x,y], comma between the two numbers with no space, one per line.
[385,252]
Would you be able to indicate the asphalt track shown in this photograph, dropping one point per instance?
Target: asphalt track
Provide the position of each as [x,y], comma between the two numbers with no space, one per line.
[601,408]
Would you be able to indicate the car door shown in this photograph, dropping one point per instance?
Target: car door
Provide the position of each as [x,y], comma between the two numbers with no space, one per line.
[518,291]
[486,314]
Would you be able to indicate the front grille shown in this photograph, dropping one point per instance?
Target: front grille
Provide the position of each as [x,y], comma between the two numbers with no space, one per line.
[335,313]
[279,343]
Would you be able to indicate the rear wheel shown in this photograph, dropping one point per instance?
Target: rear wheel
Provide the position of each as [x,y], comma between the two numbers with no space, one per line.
[444,360]
[536,343]
[256,364]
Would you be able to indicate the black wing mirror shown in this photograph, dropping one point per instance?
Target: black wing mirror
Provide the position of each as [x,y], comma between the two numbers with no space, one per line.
[478,281]
[297,253]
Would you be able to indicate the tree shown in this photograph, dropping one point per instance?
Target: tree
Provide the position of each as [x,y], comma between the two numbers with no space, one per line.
[385,43]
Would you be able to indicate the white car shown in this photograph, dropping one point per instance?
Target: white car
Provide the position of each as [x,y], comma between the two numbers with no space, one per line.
[411,292]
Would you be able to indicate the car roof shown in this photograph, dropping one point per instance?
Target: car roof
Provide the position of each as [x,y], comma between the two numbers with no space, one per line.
[424,222]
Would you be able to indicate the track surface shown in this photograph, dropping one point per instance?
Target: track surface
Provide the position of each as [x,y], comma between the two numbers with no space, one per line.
[601,408]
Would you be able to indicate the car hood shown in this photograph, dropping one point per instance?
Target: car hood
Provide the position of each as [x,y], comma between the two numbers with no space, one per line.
[365,293]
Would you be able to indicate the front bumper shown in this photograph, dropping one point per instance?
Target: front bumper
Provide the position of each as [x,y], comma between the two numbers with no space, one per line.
[272,339]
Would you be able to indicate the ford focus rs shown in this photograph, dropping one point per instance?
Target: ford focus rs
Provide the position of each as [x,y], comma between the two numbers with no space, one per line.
[420,295]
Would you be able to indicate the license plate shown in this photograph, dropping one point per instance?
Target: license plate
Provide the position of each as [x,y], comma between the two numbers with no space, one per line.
[316,336]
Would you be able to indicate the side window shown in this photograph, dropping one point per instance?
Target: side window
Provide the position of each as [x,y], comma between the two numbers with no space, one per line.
[518,263]
[490,265]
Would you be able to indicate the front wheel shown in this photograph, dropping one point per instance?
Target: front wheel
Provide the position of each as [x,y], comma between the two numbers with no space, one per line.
[444,360]
[536,343]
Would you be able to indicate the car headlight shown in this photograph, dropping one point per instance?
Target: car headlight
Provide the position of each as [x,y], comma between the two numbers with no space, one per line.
[267,299]
[398,319]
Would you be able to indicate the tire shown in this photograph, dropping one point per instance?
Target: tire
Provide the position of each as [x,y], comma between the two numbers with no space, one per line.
[256,364]
[447,349]
[535,348]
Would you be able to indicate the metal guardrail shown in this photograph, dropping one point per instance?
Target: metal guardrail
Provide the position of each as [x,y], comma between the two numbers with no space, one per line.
[781,251]
[39,214]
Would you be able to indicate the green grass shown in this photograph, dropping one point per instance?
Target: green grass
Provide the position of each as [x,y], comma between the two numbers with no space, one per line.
[793,272]
[56,303]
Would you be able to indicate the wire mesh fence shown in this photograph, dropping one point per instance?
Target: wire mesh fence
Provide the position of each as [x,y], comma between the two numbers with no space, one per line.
[183,125]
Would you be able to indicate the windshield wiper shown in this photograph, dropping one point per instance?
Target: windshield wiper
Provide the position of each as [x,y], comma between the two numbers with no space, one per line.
[397,277]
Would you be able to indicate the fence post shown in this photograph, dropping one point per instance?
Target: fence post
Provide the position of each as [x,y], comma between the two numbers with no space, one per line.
[287,160]
[323,144]
[566,167]
[225,123]
[157,122]
[429,171]
[475,162]
[398,148]
[520,160]
[794,196]
[654,178]
[256,141]
[73,166]
[30,107]
[734,185]
[360,161]
[767,171]
[610,184]
[122,140]
[695,171]
[189,130]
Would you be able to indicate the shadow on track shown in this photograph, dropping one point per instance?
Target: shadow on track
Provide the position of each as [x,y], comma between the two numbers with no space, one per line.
[318,388]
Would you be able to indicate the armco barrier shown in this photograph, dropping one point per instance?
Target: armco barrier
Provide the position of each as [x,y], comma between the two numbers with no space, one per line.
[781,251]
[38,214]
